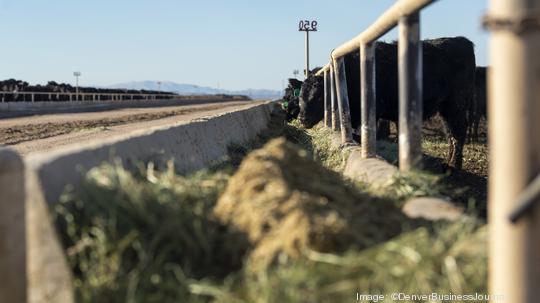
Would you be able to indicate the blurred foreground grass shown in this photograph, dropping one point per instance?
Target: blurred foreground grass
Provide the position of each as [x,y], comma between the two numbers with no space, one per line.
[445,258]
[150,236]
[140,237]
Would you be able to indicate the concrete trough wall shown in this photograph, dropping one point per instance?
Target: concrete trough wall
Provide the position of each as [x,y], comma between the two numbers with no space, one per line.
[192,146]
[14,109]
[380,174]
[32,260]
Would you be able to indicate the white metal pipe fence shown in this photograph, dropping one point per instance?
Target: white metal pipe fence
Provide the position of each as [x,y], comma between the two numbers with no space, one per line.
[406,14]
[514,126]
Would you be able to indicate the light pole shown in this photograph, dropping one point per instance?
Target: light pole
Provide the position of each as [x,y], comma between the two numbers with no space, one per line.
[307,26]
[77,75]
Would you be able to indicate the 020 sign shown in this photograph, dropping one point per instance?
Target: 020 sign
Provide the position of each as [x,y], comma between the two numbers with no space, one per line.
[307,26]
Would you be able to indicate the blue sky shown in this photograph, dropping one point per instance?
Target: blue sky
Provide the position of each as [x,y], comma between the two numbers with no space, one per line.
[235,44]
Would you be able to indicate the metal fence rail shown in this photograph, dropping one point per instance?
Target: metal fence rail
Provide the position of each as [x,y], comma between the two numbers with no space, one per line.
[69,96]
[386,22]
[406,14]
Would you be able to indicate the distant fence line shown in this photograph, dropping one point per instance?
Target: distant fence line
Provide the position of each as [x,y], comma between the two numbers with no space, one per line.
[69,96]
[72,96]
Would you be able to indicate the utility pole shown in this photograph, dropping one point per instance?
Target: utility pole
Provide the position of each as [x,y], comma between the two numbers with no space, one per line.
[307,54]
[77,75]
[307,26]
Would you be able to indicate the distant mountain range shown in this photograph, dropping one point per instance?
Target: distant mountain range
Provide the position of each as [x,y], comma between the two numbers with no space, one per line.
[191,89]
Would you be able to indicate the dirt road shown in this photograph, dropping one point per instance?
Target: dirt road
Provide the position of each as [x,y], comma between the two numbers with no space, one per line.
[45,132]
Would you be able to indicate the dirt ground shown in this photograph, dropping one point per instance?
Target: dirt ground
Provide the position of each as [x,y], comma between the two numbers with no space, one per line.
[44,132]
[468,182]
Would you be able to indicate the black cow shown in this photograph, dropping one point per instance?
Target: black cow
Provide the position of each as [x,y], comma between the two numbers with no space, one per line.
[479,108]
[290,99]
[312,89]
[448,82]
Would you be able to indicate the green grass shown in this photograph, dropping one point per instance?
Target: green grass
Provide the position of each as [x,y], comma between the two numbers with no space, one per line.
[318,143]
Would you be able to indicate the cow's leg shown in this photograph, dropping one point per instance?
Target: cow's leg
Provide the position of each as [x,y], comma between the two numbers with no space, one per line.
[456,126]
[383,129]
[475,126]
[470,130]
[472,112]
[472,124]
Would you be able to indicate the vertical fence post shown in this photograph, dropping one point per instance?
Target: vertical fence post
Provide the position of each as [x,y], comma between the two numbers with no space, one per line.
[514,148]
[327,99]
[410,93]
[368,131]
[343,100]
[334,99]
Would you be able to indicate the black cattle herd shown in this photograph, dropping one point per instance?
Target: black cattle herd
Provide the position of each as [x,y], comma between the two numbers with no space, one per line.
[453,87]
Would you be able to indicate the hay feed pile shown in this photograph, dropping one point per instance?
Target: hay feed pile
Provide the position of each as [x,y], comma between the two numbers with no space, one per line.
[288,204]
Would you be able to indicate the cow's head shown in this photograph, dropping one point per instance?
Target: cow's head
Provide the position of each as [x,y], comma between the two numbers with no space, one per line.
[312,101]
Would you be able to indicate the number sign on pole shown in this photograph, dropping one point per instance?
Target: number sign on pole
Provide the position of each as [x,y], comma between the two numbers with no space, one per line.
[307,26]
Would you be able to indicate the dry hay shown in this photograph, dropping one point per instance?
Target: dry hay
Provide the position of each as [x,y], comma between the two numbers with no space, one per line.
[288,204]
